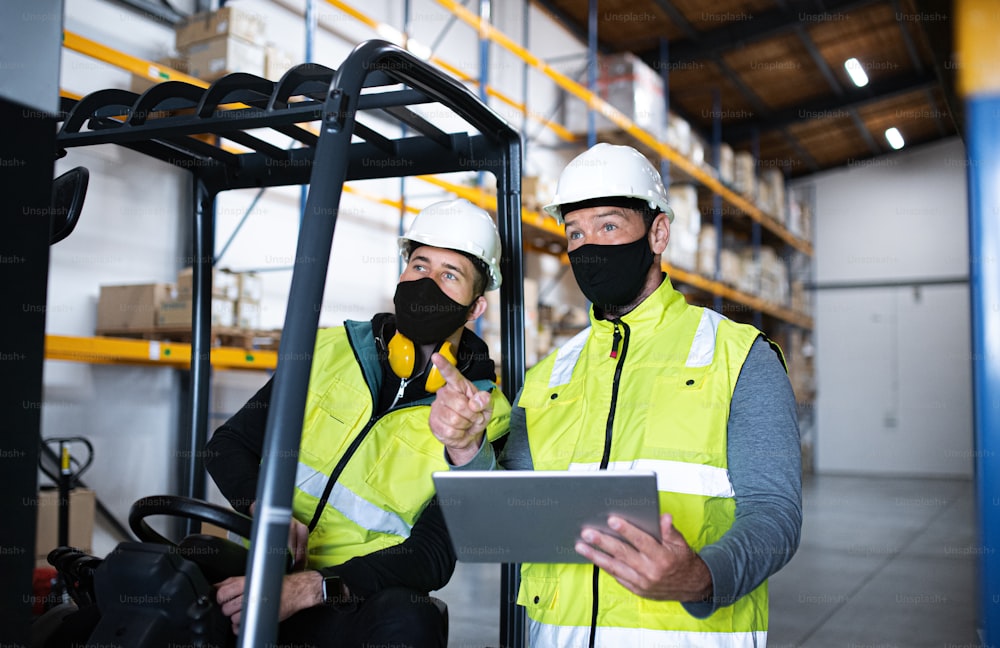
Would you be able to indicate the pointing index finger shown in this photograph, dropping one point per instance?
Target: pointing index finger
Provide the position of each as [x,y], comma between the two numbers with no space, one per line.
[452,375]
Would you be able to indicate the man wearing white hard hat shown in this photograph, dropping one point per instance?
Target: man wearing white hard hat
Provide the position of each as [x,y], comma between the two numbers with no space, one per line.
[653,384]
[368,538]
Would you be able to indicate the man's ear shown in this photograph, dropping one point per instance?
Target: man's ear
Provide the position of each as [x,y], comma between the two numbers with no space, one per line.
[477,309]
[659,233]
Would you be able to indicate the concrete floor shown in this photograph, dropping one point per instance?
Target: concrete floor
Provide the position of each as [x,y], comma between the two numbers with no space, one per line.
[883,563]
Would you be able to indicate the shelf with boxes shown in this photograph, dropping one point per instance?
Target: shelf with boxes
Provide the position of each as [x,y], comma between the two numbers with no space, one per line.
[211,45]
[640,119]
[739,259]
[160,315]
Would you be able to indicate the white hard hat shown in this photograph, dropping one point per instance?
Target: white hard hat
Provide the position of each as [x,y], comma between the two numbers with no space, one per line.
[609,171]
[457,225]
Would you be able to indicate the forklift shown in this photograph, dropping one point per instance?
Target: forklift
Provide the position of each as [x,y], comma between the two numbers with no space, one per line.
[170,122]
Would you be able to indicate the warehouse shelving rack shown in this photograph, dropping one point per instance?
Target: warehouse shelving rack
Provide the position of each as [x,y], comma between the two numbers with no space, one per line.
[378,80]
[732,206]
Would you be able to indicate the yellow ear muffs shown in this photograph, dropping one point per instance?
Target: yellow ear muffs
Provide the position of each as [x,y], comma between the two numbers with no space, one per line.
[435,380]
[403,360]
[402,355]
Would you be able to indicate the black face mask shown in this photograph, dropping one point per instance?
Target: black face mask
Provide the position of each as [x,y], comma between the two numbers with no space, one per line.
[425,314]
[612,276]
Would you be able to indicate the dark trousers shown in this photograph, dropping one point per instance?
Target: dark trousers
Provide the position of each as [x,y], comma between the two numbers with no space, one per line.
[391,618]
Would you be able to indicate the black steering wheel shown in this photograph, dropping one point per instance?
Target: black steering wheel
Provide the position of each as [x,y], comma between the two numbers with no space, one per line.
[218,558]
[184,507]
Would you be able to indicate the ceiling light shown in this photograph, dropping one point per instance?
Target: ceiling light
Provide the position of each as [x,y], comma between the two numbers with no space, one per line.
[858,76]
[894,137]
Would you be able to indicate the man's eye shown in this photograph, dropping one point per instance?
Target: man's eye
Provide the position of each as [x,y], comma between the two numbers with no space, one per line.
[609,227]
[574,235]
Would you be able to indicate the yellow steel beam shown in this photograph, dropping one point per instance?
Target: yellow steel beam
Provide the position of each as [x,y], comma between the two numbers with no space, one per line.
[107,350]
[385,30]
[133,64]
[619,119]
[976,29]
[751,301]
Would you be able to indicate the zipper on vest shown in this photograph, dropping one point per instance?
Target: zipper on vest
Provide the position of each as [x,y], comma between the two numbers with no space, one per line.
[615,341]
[403,382]
[620,338]
[339,468]
[342,464]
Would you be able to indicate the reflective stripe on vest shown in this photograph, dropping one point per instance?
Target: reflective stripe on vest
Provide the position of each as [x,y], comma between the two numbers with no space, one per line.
[566,358]
[703,347]
[352,506]
[675,476]
[701,354]
[543,634]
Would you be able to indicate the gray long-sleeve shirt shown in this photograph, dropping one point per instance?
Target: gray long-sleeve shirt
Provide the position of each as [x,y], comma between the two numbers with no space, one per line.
[764,460]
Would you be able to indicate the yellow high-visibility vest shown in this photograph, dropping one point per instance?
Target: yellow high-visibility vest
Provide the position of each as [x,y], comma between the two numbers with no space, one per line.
[650,393]
[386,484]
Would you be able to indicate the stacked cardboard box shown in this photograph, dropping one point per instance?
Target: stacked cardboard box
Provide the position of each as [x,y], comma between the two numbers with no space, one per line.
[629,85]
[82,504]
[129,308]
[221,42]
[177,313]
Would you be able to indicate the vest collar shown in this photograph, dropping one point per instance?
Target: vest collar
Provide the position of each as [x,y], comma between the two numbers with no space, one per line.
[664,305]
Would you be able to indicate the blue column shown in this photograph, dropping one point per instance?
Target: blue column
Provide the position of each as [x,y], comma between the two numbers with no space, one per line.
[592,67]
[982,135]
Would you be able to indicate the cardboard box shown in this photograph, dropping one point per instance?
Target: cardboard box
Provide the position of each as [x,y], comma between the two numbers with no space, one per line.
[228,21]
[131,307]
[224,283]
[276,62]
[82,504]
[629,85]
[177,313]
[213,59]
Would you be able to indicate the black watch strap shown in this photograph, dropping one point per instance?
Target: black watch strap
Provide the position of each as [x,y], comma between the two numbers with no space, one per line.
[333,591]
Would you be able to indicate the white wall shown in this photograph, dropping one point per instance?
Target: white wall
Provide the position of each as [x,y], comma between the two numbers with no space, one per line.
[893,363]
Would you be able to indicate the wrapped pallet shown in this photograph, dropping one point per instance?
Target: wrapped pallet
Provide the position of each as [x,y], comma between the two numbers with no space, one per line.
[682,250]
[727,165]
[630,86]
[744,176]
[774,179]
[707,244]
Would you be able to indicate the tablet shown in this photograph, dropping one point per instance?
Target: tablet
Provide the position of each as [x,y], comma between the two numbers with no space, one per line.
[536,516]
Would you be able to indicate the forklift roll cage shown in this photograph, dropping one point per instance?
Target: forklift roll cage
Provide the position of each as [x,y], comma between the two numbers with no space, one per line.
[376,79]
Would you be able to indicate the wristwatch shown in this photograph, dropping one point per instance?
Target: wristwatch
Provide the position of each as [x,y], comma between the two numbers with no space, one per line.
[333,591]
